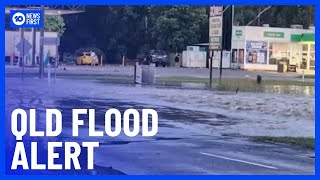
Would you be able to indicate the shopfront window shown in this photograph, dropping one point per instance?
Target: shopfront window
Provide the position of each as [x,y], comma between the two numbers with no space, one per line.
[312,57]
[304,62]
[279,52]
[296,53]
[256,52]
[237,56]
[241,56]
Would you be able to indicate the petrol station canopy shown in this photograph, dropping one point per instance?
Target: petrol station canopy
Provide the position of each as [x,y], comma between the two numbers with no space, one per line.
[49,9]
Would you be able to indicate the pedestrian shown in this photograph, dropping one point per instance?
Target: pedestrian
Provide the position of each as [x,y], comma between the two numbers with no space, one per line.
[148,59]
[94,59]
[177,60]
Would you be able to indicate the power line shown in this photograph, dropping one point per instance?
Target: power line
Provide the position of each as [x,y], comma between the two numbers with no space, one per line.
[260,13]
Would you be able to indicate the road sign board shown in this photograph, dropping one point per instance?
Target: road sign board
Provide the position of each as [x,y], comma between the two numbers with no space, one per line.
[238,33]
[215,27]
[215,39]
[215,47]
[24,46]
[138,78]
[50,41]
[216,11]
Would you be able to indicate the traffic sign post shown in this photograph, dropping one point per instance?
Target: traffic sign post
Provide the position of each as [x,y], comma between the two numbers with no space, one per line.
[41,65]
[23,47]
[52,41]
[215,34]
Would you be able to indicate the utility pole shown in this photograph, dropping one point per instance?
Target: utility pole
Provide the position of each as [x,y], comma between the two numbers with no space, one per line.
[227,25]
[210,64]
[34,31]
[22,52]
[41,65]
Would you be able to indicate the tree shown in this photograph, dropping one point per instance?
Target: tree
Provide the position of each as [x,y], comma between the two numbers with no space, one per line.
[175,27]
[113,29]
[276,16]
[54,24]
[132,30]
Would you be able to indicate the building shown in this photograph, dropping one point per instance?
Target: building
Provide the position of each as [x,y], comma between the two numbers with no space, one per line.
[263,48]
[12,38]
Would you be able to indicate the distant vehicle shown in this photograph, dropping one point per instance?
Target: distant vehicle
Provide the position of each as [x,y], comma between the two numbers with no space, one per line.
[87,59]
[159,57]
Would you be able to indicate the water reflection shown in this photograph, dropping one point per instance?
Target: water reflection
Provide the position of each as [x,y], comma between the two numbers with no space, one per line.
[278,89]
[289,89]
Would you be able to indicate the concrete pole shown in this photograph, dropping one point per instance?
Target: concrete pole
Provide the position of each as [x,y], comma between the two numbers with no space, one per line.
[41,66]
[210,66]
[21,40]
[56,62]
[34,31]
[21,62]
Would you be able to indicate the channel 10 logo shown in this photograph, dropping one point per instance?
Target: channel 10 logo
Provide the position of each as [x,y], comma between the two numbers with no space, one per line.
[26,19]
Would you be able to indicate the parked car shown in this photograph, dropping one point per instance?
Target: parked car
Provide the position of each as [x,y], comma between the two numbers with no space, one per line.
[87,59]
[159,57]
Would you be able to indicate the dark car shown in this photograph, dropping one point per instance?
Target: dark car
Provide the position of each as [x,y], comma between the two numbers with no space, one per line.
[159,57]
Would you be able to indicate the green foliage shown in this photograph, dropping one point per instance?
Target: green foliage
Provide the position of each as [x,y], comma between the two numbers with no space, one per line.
[131,30]
[276,16]
[175,27]
[306,142]
[54,24]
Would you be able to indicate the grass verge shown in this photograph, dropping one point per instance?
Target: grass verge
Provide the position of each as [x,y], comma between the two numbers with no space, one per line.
[310,76]
[227,84]
[297,141]
[231,84]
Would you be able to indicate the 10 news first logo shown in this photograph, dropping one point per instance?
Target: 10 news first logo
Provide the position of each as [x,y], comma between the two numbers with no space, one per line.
[26,19]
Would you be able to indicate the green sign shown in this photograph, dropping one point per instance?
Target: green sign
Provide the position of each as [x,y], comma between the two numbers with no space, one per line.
[304,37]
[273,34]
[238,32]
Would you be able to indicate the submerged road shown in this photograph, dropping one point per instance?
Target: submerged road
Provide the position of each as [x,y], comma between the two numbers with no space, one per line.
[185,144]
[178,151]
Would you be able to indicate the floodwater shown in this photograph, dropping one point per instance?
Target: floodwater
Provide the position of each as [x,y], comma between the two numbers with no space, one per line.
[289,89]
[189,120]
[277,89]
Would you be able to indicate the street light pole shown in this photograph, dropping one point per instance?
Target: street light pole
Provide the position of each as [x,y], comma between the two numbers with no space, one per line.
[22,54]
[223,42]
[41,65]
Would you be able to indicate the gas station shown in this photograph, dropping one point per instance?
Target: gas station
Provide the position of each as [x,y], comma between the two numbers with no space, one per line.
[39,39]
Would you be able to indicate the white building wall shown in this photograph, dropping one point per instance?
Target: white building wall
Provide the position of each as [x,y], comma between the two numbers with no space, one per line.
[254,33]
[12,38]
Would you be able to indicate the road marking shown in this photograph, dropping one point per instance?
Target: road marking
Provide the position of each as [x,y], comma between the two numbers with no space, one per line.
[238,160]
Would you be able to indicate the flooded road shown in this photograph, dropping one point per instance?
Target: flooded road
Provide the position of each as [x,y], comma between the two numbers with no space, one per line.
[192,139]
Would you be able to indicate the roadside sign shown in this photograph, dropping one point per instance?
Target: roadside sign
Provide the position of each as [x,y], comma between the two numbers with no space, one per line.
[138,78]
[50,41]
[24,46]
[238,33]
[216,11]
[273,34]
[215,27]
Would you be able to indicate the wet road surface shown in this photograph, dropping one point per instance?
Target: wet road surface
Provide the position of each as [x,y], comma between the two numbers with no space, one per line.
[187,141]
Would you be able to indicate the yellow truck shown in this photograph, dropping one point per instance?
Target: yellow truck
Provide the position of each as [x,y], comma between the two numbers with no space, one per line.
[87,58]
